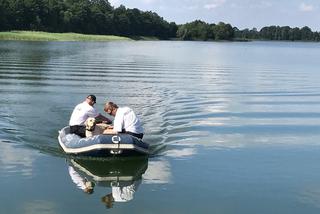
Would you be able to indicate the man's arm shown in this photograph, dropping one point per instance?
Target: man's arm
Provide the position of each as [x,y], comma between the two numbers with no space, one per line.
[109,130]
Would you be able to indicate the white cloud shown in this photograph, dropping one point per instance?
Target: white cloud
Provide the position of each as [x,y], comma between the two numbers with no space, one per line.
[214,4]
[16,160]
[306,7]
[258,5]
[265,4]
[138,3]
[210,6]
[192,7]
[114,2]
[148,1]
[158,172]
[181,152]
[252,4]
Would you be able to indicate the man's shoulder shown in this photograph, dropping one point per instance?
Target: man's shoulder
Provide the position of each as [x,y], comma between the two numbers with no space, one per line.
[84,106]
[124,110]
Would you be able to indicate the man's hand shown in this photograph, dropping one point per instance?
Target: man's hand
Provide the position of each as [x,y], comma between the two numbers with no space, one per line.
[109,131]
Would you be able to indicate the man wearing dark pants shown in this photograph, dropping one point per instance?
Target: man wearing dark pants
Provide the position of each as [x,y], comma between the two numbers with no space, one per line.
[81,113]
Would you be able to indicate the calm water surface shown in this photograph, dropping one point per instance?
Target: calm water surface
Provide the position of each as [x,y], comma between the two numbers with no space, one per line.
[233,127]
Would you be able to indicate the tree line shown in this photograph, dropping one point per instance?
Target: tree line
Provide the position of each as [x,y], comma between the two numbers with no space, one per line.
[99,17]
[199,30]
[278,33]
[82,16]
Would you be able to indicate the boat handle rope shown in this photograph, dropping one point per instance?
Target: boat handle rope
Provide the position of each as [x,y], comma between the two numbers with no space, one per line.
[116,139]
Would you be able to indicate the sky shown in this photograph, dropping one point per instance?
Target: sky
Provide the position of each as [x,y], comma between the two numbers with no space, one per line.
[239,13]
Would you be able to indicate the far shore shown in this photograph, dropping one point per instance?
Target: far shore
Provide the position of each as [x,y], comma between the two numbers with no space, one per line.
[66,37]
[45,36]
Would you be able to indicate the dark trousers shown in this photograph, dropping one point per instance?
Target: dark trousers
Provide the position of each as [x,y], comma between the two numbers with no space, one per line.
[140,136]
[78,130]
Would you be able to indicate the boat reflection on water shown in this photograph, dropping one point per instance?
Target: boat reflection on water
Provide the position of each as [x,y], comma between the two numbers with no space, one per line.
[122,175]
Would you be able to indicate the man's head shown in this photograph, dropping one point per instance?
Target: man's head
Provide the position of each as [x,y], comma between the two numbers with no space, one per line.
[108,200]
[91,99]
[110,108]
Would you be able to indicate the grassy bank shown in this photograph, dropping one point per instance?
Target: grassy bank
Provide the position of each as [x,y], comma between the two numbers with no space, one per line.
[44,36]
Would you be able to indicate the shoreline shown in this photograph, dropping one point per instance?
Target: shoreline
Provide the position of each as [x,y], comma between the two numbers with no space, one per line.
[62,37]
[41,36]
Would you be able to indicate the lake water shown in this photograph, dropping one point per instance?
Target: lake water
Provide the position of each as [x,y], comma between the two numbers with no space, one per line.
[233,127]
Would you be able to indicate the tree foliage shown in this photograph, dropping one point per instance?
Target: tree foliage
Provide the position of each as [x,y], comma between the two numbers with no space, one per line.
[279,33]
[82,16]
[99,17]
[199,30]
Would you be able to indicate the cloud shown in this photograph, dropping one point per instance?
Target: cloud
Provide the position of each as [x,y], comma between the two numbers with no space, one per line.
[252,5]
[114,2]
[181,152]
[265,4]
[214,4]
[13,163]
[148,1]
[306,7]
[192,7]
[210,6]
[137,2]
[158,172]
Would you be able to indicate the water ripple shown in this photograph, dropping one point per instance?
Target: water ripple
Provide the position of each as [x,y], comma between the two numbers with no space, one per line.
[182,95]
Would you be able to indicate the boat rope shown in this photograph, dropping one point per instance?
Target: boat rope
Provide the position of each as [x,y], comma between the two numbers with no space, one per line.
[116,139]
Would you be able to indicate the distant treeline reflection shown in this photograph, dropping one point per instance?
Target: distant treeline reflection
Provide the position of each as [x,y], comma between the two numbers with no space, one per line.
[99,17]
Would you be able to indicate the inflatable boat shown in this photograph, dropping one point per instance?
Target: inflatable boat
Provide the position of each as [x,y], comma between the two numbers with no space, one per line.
[101,145]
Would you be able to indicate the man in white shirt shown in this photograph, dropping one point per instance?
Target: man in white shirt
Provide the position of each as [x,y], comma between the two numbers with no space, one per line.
[82,183]
[121,194]
[81,113]
[125,121]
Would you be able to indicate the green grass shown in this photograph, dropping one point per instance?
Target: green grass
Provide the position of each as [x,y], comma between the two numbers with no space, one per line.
[44,36]
[144,38]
